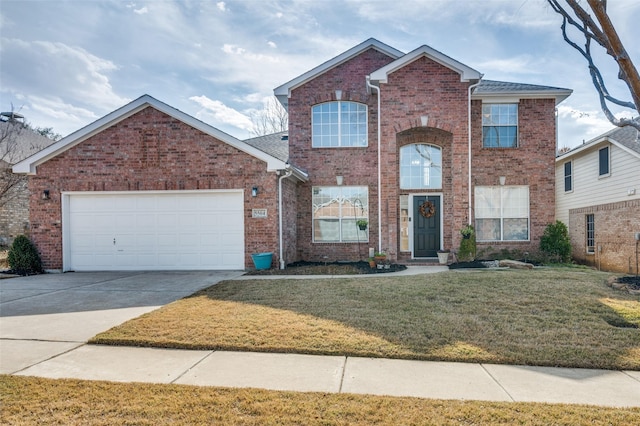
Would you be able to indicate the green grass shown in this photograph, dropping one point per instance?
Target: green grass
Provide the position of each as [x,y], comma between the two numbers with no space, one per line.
[551,317]
[36,401]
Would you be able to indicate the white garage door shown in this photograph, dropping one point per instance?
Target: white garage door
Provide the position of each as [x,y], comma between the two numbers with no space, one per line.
[154,231]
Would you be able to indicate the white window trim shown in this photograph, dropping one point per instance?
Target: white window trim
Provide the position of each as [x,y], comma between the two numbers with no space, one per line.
[340,218]
[505,101]
[502,217]
[605,175]
[340,146]
[564,177]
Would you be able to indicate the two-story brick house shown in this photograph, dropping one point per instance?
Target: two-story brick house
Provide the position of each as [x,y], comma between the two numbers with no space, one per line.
[417,145]
[423,147]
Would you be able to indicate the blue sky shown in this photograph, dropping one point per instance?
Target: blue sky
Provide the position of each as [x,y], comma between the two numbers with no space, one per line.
[64,64]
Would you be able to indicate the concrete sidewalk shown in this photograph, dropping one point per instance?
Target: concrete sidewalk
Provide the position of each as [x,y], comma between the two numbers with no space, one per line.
[338,374]
[45,321]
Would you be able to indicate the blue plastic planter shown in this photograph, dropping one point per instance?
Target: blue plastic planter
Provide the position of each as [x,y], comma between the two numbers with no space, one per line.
[262,260]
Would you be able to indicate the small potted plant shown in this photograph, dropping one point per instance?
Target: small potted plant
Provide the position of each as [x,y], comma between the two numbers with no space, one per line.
[443,256]
[362,224]
[380,257]
[372,263]
[467,232]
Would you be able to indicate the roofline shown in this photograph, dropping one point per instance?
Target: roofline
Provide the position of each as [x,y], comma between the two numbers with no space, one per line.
[594,143]
[466,73]
[283,92]
[559,95]
[30,164]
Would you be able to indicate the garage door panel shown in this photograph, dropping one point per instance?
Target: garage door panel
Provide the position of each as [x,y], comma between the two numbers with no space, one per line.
[155,231]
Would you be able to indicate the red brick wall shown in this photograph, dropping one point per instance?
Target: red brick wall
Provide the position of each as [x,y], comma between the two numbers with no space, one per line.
[426,88]
[151,151]
[358,166]
[615,227]
[422,88]
[532,163]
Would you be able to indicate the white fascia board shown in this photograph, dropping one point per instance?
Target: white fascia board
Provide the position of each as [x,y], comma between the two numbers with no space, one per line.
[30,164]
[594,144]
[499,97]
[284,91]
[466,73]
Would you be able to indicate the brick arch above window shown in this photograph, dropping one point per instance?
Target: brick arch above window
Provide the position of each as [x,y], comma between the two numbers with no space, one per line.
[428,135]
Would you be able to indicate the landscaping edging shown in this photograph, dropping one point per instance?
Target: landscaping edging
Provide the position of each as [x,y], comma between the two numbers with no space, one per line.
[620,283]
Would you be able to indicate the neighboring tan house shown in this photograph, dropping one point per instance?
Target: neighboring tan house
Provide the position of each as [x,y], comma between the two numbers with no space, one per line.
[598,198]
[16,143]
[416,144]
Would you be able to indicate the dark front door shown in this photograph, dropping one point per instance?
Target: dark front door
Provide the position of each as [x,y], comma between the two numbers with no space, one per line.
[426,226]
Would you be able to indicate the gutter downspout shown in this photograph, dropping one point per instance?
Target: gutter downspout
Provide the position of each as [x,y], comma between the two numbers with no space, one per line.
[473,86]
[288,173]
[377,89]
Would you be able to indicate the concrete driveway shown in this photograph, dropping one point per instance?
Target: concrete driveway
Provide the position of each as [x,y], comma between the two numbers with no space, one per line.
[42,316]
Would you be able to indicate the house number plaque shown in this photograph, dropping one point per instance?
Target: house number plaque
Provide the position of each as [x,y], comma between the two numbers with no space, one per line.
[259,213]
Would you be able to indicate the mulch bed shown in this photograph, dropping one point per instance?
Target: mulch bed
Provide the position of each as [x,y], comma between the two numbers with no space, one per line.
[328,268]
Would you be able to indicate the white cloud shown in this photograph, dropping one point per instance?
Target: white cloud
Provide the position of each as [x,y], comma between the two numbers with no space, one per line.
[141,11]
[272,44]
[221,113]
[221,6]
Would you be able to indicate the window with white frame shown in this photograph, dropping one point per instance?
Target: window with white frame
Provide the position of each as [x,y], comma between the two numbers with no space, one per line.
[568,176]
[339,124]
[499,125]
[336,212]
[603,161]
[420,167]
[591,233]
[502,213]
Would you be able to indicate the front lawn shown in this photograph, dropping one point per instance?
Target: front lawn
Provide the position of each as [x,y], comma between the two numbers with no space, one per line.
[550,317]
[36,401]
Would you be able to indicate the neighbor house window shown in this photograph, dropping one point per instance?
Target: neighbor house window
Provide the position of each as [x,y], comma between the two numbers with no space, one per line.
[420,167]
[502,213]
[339,124]
[603,161]
[591,234]
[336,210]
[568,176]
[500,125]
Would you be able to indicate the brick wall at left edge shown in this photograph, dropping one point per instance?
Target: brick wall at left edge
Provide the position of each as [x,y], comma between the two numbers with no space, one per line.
[151,151]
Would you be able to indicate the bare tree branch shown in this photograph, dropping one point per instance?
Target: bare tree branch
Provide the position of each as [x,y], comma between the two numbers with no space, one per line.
[272,119]
[607,37]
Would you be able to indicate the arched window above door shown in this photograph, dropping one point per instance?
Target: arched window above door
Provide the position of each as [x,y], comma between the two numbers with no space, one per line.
[420,167]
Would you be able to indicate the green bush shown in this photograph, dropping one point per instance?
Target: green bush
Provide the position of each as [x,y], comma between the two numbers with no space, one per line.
[467,252]
[23,257]
[555,242]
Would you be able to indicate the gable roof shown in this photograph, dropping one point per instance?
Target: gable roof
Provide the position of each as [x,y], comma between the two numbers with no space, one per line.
[30,164]
[282,92]
[466,73]
[626,138]
[488,89]
[276,144]
[19,142]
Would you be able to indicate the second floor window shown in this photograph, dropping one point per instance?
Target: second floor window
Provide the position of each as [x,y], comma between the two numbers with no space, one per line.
[603,161]
[568,180]
[499,125]
[339,124]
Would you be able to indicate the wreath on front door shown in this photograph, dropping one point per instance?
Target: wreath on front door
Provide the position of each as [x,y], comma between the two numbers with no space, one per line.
[427,209]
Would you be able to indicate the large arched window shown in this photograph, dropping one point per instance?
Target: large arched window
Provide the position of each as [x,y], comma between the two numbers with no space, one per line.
[420,167]
[339,124]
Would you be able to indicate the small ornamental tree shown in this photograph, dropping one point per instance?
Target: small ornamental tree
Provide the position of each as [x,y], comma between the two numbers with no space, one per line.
[467,252]
[555,242]
[23,257]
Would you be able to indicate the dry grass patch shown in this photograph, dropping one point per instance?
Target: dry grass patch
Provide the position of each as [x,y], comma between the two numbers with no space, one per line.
[551,317]
[31,401]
